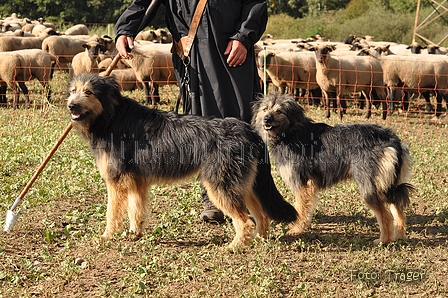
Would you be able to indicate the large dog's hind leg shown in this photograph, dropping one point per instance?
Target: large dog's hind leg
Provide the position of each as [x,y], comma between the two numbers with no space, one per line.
[137,204]
[232,205]
[116,206]
[384,218]
[305,204]
[256,210]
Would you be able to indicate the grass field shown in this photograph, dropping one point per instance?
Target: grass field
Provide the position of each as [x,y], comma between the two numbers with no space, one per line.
[55,248]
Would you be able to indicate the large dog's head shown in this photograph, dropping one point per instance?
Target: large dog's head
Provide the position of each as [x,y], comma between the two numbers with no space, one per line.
[277,115]
[92,100]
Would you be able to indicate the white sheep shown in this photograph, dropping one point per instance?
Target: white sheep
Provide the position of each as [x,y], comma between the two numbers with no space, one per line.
[79,29]
[12,74]
[38,64]
[288,69]
[12,43]
[348,75]
[153,64]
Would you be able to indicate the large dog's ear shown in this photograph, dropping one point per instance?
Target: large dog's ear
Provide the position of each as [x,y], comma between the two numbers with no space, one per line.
[294,112]
[107,91]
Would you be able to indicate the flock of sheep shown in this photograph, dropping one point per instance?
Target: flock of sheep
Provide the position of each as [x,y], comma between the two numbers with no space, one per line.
[361,69]
[35,49]
[357,69]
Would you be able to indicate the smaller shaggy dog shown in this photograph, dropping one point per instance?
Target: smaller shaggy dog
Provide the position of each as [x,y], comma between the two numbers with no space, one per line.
[313,156]
[135,147]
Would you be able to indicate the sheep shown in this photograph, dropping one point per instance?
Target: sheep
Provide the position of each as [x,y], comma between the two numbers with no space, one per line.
[347,75]
[126,78]
[12,43]
[79,29]
[28,27]
[38,29]
[38,64]
[65,48]
[149,35]
[436,50]
[104,63]
[164,36]
[384,51]
[12,74]
[290,69]
[416,74]
[153,63]
[86,61]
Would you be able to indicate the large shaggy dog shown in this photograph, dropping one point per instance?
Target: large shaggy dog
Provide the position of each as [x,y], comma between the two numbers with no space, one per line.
[313,156]
[135,146]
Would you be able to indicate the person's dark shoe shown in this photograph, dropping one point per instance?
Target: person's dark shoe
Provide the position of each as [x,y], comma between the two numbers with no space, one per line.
[211,213]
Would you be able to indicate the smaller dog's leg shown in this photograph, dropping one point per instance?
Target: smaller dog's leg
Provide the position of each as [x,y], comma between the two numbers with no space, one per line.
[137,209]
[305,204]
[400,221]
[116,206]
[385,220]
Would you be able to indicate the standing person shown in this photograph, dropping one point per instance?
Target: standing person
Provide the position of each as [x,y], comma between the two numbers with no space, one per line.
[222,72]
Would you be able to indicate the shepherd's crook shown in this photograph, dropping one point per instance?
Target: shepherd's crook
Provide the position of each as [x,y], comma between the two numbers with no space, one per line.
[11,217]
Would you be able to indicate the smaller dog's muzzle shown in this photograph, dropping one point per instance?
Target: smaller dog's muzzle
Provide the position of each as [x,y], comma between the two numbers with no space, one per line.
[267,122]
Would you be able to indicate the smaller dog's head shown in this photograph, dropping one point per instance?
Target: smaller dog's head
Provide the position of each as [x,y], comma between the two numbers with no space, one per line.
[90,99]
[276,115]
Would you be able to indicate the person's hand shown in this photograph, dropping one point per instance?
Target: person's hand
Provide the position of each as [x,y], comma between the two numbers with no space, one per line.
[123,43]
[237,53]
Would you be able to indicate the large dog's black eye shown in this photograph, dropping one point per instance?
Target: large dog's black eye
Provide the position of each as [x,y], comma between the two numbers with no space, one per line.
[88,92]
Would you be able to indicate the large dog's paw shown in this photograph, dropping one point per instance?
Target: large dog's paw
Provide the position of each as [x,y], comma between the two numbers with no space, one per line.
[133,235]
[295,230]
[383,242]
[106,236]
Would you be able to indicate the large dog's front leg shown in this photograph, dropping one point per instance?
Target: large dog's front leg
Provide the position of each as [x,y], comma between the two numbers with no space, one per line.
[305,204]
[137,209]
[116,205]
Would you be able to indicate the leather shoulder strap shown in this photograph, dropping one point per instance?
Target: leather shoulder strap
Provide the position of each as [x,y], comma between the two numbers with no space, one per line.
[194,26]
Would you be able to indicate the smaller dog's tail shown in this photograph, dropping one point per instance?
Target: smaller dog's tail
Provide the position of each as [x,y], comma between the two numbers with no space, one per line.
[270,198]
[399,195]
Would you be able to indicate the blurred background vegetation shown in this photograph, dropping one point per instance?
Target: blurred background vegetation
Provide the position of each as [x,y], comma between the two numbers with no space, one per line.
[388,20]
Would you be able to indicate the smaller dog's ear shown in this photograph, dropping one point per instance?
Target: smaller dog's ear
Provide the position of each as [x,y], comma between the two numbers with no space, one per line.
[256,103]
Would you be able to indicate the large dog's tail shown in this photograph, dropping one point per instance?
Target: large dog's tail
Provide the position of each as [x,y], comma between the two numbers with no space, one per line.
[270,198]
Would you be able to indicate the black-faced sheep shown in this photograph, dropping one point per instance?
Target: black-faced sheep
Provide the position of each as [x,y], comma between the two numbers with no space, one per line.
[416,74]
[419,78]
[86,61]
[348,75]
[65,48]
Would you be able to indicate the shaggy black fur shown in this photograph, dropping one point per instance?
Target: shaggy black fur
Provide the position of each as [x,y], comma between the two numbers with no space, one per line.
[134,144]
[313,156]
